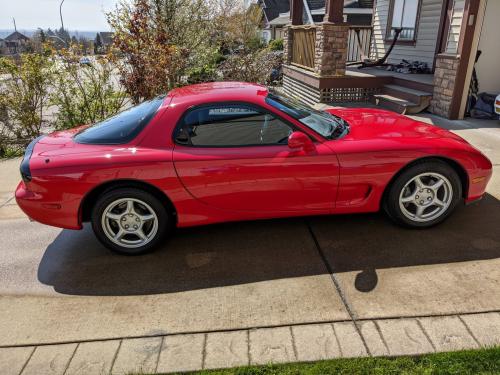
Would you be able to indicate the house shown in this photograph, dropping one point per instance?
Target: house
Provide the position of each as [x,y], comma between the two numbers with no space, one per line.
[277,14]
[16,43]
[103,41]
[444,34]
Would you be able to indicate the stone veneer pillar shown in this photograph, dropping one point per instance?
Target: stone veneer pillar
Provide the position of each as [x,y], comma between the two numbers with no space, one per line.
[445,75]
[331,49]
[287,45]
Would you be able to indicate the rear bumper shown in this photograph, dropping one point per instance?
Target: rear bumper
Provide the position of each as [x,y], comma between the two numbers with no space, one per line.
[45,211]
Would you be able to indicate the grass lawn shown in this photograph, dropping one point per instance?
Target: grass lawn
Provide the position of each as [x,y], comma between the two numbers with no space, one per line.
[484,361]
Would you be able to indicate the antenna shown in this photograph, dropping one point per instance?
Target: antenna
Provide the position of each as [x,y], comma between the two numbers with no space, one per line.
[14,20]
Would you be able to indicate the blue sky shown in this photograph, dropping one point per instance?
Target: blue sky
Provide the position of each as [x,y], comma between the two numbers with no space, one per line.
[83,15]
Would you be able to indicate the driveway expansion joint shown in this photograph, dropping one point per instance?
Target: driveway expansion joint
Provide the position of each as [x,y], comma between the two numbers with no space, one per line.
[27,360]
[469,331]
[426,334]
[336,283]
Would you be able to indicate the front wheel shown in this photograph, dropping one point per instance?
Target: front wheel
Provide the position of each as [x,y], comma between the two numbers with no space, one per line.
[130,221]
[423,195]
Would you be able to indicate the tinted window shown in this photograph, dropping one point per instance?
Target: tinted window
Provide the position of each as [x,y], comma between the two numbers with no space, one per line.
[122,127]
[322,122]
[231,125]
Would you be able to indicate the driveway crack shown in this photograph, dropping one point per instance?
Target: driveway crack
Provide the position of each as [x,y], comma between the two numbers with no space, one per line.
[336,283]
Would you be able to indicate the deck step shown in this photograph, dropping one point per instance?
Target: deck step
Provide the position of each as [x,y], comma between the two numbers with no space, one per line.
[393,103]
[407,93]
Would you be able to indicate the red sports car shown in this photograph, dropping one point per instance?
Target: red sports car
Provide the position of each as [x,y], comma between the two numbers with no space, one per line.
[235,151]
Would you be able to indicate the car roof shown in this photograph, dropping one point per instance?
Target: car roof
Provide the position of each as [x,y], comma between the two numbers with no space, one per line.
[217,91]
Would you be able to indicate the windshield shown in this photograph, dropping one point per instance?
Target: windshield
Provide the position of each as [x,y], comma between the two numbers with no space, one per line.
[324,123]
[123,127]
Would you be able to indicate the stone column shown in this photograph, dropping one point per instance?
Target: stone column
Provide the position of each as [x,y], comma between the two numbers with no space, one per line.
[331,49]
[287,44]
[445,75]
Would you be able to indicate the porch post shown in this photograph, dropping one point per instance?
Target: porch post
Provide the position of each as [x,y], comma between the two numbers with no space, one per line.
[334,11]
[331,41]
[296,11]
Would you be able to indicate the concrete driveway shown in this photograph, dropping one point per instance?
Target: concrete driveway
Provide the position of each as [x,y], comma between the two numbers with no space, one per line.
[63,286]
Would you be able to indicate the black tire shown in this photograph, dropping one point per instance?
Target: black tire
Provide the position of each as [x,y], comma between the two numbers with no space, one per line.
[164,219]
[391,202]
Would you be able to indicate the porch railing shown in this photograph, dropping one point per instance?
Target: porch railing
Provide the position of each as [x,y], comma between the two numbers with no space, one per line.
[303,47]
[304,43]
[355,50]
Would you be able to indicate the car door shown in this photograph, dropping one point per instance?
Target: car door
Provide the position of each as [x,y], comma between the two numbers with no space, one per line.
[235,156]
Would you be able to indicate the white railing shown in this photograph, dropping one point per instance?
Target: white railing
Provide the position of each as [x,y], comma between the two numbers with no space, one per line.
[355,50]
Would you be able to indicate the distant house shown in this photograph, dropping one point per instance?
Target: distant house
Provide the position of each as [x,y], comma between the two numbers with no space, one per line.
[277,14]
[103,41]
[16,43]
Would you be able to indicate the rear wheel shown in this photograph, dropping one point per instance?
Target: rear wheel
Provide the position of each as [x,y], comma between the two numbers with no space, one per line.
[424,195]
[130,221]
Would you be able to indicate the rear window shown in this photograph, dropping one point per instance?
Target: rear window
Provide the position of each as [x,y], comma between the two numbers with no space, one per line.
[123,127]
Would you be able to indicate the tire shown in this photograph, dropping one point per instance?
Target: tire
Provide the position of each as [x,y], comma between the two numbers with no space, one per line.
[423,195]
[130,221]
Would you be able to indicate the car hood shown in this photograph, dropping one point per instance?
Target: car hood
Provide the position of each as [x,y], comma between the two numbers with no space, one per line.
[367,123]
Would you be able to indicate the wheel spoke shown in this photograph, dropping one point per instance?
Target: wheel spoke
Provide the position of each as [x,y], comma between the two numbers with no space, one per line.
[419,183]
[113,216]
[437,185]
[409,199]
[130,207]
[146,217]
[420,211]
[119,235]
[438,202]
[140,234]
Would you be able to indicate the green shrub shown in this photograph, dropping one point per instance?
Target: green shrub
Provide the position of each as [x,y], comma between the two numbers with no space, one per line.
[276,45]
[85,94]
[24,94]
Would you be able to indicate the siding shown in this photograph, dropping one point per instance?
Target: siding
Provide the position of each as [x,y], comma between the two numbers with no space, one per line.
[455,26]
[427,33]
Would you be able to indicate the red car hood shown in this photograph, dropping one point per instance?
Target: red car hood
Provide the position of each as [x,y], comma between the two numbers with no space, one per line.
[367,123]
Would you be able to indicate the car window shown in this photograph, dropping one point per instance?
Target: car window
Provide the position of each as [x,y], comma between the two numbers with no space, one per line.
[122,127]
[322,122]
[231,125]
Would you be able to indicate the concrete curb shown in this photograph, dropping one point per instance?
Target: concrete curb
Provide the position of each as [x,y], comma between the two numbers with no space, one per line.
[298,343]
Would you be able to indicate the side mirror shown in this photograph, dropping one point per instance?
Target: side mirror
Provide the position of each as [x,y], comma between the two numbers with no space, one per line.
[300,141]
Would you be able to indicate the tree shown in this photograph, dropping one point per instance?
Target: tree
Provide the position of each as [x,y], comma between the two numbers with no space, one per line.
[161,42]
[24,98]
[97,44]
[84,95]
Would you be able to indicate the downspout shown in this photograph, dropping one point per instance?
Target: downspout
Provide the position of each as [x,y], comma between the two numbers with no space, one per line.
[308,11]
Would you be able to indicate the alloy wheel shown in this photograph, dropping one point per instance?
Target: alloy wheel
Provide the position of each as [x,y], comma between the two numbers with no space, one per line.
[426,197]
[129,222]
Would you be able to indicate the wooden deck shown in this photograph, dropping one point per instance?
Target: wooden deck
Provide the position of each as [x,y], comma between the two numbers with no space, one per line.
[376,72]
[355,85]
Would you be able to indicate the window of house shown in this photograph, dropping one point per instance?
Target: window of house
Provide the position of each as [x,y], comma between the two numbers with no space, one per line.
[403,14]
[231,125]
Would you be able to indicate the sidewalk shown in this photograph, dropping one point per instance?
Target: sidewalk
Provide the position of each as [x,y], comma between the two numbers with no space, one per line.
[9,178]
[225,349]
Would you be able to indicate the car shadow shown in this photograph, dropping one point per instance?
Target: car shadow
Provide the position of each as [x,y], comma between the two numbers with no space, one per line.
[248,252]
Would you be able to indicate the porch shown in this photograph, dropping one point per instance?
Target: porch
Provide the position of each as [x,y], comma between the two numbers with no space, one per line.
[318,59]
[400,92]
